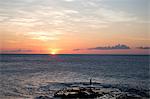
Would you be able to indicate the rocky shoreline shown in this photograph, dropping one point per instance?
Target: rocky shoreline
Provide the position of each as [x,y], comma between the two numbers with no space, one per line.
[92,91]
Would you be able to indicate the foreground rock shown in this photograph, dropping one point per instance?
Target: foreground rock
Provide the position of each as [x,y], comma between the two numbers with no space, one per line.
[43,97]
[77,92]
[94,91]
[99,93]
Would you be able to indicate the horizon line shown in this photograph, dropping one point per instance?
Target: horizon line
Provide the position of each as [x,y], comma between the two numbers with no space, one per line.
[65,54]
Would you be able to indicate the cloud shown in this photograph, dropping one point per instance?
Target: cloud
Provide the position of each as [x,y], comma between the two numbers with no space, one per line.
[15,51]
[119,46]
[68,0]
[77,49]
[143,47]
[75,15]
[44,36]
[115,16]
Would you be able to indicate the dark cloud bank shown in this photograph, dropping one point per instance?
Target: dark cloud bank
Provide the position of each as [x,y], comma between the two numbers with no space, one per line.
[77,49]
[16,51]
[143,47]
[119,46]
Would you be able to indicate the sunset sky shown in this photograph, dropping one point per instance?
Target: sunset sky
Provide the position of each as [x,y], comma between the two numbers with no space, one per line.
[74,26]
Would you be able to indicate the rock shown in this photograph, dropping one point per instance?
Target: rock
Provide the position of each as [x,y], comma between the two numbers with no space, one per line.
[43,97]
[77,92]
[129,96]
[101,93]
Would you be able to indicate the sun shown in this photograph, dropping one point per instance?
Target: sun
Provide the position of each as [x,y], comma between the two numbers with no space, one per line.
[53,53]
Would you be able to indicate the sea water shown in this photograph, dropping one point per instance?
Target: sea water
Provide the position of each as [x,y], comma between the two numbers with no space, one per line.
[27,76]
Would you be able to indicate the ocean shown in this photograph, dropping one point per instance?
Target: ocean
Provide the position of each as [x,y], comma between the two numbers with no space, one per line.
[27,76]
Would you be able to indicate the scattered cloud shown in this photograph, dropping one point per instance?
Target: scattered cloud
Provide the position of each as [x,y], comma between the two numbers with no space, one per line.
[75,15]
[77,49]
[68,0]
[44,36]
[119,46]
[143,47]
[115,16]
[15,51]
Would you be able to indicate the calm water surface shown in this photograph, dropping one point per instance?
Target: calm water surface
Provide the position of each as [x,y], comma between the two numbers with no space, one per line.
[22,75]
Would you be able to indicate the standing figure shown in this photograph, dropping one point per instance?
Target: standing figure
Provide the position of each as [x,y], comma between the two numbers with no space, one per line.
[90,81]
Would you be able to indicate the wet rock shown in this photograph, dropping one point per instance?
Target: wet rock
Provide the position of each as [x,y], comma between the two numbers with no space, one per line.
[129,96]
[84,91]
[43,97]
[77,92]
[101,93]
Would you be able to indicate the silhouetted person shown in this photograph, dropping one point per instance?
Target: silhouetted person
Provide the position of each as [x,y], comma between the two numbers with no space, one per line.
[90,81]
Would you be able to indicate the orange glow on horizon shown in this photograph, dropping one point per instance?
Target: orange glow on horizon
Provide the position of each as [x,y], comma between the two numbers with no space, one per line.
[53,53]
